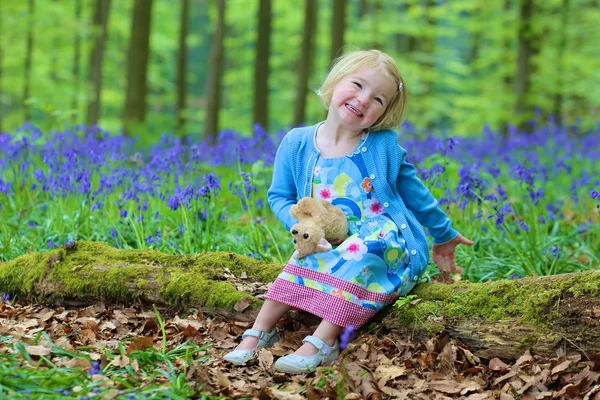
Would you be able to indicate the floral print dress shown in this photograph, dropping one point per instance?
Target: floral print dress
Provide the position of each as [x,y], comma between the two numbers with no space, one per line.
[349,284]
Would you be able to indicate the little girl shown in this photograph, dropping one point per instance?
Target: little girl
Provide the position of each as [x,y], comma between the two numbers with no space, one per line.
[352,160]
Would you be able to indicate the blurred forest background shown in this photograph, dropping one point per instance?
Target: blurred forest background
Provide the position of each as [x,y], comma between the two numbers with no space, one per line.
[197,67]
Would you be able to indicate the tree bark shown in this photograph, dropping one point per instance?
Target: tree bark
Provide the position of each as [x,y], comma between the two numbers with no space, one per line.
[306,60]
[1,67]
[557,107]
[101,12]
[261,66]
[182,64]
[495,319]
[76,62]
[338,27]
[215,77]
[137,64]
[527,47]
[28,61]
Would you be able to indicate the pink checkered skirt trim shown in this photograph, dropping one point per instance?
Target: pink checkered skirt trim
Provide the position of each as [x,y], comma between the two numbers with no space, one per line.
[346,286]
[333,309]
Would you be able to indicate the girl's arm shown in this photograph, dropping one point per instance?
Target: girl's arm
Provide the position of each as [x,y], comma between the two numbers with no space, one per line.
[422,204]
[282,193]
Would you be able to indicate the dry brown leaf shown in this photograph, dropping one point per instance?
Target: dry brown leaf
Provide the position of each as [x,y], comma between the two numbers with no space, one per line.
[560,367]
[468,386]
[353,396]
[265,360]
[64,343]
[593,394]
[120,361]
[140,343]
[504,377]
[497,364]
[525,358]
[47,316]
[38,350]
[385,373]
[222,380]
[107,326]
[368,388]
[79,362]
[445,386]
[282,395]
[242,304]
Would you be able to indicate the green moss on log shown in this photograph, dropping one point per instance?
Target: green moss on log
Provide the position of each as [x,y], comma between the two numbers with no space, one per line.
[94,269]
[530,300]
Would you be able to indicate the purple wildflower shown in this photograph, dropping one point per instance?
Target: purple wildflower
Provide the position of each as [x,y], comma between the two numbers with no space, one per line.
[95,368]
[5,297]
[173,203]
[346,337]
[123,214]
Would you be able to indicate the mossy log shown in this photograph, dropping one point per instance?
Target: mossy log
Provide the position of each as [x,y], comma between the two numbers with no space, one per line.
[495,319]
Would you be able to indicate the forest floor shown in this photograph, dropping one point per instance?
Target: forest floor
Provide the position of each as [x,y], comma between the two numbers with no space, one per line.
[108,352]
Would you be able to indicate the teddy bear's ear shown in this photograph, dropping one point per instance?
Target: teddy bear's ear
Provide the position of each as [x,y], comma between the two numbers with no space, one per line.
[314,208]
[294,211]
[323,245]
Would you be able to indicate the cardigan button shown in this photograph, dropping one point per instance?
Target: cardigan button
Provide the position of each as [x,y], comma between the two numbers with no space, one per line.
[386,204]
[372,176]
[413,252]
[403,226]
[364,149]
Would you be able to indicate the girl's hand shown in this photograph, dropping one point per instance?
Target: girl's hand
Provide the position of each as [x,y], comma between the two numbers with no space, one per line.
[443,254]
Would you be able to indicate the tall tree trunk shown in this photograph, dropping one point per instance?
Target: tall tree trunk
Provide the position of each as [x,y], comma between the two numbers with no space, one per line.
[508,79]
[525,52]
[306,60]
[261,65]
[137,64]
[76,64]
[338,27]
[1,64]
[28,59]
[100,21]
[557,107]
[182,64]
[215,77]
[401,39]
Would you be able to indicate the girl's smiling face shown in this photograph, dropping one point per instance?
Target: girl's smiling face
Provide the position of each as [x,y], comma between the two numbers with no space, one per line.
[360,98]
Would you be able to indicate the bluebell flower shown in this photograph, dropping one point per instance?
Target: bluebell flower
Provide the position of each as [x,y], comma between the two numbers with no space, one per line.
[173,203]
[95,368]
[123,213]
[5,297]
[346,337]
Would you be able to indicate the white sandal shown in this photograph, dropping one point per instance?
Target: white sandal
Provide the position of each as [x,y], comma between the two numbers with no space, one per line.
[295,364]
[265,339]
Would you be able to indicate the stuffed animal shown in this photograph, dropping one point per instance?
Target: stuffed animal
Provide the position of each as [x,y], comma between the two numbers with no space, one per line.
[318,221]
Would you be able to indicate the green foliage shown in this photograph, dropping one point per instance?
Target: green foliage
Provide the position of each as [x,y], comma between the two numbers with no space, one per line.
[458,58]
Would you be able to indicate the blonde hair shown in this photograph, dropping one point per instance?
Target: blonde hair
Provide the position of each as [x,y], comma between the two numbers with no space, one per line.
[360,60]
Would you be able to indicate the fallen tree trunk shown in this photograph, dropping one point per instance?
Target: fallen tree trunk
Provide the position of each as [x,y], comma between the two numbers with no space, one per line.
[496,319]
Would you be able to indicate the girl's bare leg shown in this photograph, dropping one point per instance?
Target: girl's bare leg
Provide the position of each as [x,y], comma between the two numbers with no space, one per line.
[269,314]
[327,332]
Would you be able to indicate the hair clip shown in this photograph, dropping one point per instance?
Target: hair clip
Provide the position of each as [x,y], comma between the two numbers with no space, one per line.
[400,86]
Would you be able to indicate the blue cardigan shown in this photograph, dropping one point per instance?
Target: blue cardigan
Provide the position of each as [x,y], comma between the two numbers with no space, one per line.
[395,181]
